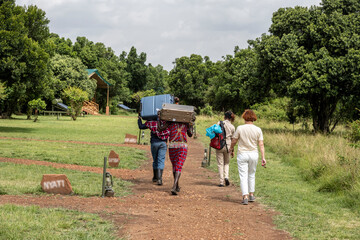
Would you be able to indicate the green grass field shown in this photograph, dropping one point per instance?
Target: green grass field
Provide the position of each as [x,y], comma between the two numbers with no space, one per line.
[285,185]
[18,179]
[102,129]
[289,184]
[18,222]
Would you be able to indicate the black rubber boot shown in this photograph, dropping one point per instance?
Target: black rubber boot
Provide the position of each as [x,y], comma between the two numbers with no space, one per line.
[159,176]
[176,181]
[155,178]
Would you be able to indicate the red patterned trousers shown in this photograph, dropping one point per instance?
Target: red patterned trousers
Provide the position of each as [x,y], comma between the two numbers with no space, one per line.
[177,158]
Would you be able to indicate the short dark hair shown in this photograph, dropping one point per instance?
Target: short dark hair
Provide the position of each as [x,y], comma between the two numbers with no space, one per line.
[249,115]
[229,115]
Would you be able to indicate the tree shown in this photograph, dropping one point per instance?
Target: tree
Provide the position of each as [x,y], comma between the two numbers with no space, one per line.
[2,91]
[313,56]
[157,79]
[76,98]
[234,85]
[36,105]
[23,58]
[189,80]
[84,50]
[136,68]
[68,71]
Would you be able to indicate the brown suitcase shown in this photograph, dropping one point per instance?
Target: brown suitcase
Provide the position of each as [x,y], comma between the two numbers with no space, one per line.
[177,113]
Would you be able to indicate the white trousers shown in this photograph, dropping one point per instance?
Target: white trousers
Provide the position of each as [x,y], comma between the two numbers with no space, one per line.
[247,162]
[223,160]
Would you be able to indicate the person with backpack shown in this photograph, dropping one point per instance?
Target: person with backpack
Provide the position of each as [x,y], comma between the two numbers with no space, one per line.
[223,154]
[248,137]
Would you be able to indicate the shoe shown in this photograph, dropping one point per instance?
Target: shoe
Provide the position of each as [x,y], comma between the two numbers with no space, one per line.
[154,179]
[251,198]
[227,183]
[159,177]
[221,185]
[245,201]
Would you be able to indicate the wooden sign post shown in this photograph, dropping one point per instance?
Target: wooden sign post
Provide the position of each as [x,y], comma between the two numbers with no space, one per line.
[56,183]
[114,159]
[132,139]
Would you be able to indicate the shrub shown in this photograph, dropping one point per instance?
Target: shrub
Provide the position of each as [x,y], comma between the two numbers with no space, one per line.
[354,133]
[207,110]
[275,110]
[37,105]
[76,97]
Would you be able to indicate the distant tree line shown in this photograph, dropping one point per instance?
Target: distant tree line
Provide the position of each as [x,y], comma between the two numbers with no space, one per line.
[310,58]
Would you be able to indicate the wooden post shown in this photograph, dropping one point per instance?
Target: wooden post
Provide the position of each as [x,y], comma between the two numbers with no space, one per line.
[107,102]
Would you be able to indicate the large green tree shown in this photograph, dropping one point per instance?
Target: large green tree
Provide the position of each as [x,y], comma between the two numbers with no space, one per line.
[234,82]
[313,56]
[70,72]
[189,79]
[136,68]
[23,56]
[156,79]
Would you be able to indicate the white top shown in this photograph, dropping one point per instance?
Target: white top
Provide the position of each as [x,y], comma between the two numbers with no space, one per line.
[248,136]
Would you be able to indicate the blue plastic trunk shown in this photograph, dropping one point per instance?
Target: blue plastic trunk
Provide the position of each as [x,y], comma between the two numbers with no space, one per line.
[150,106]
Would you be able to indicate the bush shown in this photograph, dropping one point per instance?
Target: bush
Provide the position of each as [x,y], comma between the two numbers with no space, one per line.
[76,97]
[207,110]
[354,134]
[274,110]
[37,105]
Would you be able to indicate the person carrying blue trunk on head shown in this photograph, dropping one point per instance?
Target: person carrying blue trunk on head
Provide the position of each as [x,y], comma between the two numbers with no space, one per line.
[158,142]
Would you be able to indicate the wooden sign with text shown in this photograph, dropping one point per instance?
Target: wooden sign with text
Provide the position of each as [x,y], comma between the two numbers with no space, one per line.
[132,139]
[114,159]
[56,183]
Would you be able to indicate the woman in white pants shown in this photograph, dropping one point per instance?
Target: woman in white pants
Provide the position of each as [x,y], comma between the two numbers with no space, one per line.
[248,137]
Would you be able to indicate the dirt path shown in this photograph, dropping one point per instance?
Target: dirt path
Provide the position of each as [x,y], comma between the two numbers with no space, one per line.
[200,211]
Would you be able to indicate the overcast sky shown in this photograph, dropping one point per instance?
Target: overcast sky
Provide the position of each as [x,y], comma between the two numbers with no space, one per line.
[164,29]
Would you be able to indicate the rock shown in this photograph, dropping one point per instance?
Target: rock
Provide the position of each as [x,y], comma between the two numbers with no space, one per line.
[114,159]
[132,139]
[56,183]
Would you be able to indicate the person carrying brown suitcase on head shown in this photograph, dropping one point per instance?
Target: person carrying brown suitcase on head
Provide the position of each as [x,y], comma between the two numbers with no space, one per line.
[177,148]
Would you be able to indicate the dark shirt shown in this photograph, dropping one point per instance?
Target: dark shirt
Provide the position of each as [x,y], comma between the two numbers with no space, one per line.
[154,137]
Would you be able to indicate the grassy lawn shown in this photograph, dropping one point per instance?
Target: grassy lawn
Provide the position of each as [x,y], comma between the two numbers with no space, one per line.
[103,129]
[306,212]
[25,179]
[70,153]
[18,222]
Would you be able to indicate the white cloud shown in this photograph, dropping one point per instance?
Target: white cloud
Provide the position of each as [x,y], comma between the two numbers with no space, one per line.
[164,29]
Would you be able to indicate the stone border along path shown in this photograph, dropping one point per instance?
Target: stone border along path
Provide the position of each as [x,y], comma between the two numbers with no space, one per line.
[202,210]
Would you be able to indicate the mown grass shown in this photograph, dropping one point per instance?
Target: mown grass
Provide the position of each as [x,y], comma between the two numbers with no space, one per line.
[103,129]
[16,179]
[36,223]
[19,222]
[70,153]
[299,165]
